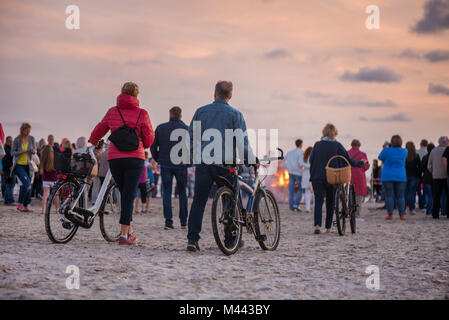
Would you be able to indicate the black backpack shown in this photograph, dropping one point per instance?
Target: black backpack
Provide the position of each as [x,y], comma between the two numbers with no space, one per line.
[125,138]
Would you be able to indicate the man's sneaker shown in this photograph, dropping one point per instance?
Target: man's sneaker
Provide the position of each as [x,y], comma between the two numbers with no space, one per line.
[402,217]
[298,209]
[183,226]
[328,230]
[20,207]
[168,227]
[26,209]
[317,230]
[193,246]
[125,242]
[389,217]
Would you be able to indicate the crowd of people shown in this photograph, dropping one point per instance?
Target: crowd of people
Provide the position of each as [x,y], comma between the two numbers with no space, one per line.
[398,175]
[401,177]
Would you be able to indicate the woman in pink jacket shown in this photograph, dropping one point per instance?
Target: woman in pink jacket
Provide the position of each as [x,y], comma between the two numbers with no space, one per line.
[358,177]
[126,166]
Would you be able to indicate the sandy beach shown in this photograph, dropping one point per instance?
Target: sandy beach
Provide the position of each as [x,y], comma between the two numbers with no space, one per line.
[412,256]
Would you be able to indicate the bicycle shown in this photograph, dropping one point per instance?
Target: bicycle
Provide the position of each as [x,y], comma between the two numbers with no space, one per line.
[260,217]
[66,208]
[345,207]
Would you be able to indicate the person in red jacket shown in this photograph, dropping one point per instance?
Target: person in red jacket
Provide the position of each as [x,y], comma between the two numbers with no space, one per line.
[126,166]
[358,177]
[2,134]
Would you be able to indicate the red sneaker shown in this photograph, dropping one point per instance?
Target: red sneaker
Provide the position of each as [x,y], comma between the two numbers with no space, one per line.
[132,237]
[402,217]
[20,207]
[26,209]
[125,242]
[389,217]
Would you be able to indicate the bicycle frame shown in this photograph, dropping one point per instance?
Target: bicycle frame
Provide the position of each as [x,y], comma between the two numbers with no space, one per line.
[96,207]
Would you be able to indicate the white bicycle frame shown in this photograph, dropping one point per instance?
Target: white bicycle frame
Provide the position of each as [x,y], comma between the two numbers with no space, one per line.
[96,207]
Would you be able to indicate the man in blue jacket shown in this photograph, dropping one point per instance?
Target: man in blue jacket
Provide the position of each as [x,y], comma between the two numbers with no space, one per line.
[212,125]
[160,150]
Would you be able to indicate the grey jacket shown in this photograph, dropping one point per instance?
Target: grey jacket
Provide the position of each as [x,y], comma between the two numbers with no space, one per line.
[17,147]
[435,163]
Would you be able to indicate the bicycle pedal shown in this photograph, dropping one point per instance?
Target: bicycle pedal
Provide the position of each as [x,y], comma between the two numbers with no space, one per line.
[67,225]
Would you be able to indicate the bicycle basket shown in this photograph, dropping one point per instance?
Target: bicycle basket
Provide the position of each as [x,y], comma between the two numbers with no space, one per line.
[82,164]
[62,162]
[338,175]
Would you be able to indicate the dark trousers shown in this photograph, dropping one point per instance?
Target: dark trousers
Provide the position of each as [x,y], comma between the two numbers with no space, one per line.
[410,192]
[143,192]
[126,173]
[421,196]
[8,184]
[205,175]
[167,175]
[320,190]
[429,198]
[440,186]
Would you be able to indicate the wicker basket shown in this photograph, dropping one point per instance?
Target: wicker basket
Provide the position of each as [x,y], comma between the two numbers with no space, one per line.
[338,175]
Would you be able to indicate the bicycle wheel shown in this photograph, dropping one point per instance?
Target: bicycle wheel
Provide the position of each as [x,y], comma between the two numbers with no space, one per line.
[110,211]
[267,221]
[226,224]
[340,212]
[352,205]
[62,196]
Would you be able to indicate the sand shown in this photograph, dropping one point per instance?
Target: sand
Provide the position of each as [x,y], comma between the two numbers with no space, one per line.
[412,256]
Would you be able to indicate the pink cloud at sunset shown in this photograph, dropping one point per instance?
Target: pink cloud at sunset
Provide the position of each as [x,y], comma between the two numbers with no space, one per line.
[295,65]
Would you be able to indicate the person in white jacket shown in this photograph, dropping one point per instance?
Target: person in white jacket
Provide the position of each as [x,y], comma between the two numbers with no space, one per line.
[293,162]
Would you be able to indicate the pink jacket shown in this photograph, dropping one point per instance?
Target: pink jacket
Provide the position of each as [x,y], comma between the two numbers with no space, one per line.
[358,177]
[129,107]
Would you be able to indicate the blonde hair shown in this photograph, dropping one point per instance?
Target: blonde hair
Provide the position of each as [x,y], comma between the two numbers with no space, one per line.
[330,131]
[131,89]
[23,127]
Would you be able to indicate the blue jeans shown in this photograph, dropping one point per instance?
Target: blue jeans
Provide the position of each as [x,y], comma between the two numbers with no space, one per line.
[8,184]
[126,173]
[395,194]
[410,192]
[321,189]
[291,191]
[180,175]
[428,194]
[205,175]
[23,174]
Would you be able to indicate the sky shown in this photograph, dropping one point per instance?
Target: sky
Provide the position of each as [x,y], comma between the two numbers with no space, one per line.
[295,65]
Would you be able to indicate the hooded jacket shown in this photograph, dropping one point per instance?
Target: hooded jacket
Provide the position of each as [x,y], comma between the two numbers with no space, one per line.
[129,107]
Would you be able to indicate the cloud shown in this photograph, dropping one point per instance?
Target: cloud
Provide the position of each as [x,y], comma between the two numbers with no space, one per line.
[366,74]
[397,117]
[277,54]
[436,17]
[438,89]
[437,55]
[410,53]
[349,101]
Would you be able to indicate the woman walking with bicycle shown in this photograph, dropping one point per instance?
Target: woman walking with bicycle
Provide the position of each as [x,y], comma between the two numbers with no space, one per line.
[131,133]
[322,152]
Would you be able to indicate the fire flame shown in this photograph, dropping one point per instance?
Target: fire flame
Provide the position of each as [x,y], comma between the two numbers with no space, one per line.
[282,180]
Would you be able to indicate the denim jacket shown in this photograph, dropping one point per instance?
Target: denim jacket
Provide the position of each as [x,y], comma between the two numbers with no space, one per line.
[220,116]
[17,147]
